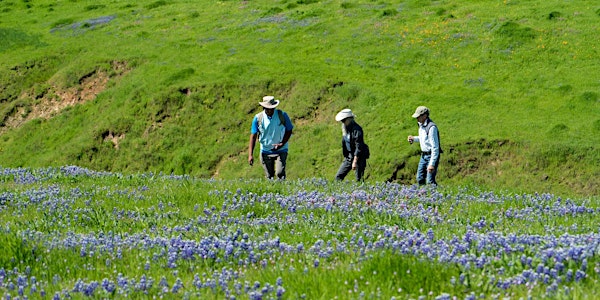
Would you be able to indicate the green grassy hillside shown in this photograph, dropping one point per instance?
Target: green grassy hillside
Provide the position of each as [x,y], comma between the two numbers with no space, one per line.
[171,86]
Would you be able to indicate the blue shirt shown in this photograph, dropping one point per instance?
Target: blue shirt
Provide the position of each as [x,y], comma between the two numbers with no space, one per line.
[271,131]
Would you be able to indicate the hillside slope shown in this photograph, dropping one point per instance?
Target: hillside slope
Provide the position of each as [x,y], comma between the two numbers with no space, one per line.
[171,86]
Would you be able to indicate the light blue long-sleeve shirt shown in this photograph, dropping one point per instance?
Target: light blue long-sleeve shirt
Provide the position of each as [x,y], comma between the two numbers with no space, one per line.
[430,142]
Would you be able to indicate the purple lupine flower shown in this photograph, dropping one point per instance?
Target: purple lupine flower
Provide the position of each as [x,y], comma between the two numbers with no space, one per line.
[471,297]
[255,295]
[79,285]
[569,275]
[443,297]
[540,269]
[559,267]
[163,283]
[579,275]
[90,288]
[177,286]
[108,286]
[21,280]
[552,288]
[122,281]
[280,292]
[430,234]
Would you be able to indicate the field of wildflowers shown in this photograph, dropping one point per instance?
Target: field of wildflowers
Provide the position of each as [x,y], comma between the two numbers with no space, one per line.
[71,233]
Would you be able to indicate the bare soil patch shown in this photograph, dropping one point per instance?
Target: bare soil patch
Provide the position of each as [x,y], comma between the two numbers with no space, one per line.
[55,99]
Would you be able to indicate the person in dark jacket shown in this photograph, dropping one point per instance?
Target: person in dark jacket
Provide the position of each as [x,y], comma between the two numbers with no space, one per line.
[354,149]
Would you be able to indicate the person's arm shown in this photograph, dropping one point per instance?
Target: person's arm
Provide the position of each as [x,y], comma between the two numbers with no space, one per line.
[251,145]
[412,139]
[358,146]
[435,147]
[286,138]
[252,141]
[289,130]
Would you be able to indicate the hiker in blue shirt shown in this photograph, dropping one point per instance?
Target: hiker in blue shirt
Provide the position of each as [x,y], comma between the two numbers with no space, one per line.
[429,139]
[272,128]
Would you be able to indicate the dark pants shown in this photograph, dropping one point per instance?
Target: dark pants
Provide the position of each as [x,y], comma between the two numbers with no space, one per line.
[347,166]
[274,165]
[424,177]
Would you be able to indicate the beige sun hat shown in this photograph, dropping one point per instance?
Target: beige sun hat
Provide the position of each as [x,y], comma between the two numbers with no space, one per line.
[269,102]
[345,113]
[421,110]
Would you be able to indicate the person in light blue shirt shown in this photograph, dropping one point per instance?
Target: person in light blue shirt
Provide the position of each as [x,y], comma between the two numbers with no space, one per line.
[272,128]
[429,140]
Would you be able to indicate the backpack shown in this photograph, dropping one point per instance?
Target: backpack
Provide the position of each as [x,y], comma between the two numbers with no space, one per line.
[367,152]
[429,125]
[260,116]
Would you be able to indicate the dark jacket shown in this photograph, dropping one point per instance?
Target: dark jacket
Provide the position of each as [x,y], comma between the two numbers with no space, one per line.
[356,143]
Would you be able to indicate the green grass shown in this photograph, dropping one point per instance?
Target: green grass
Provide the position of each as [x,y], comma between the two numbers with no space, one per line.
[321,239]
[516,71]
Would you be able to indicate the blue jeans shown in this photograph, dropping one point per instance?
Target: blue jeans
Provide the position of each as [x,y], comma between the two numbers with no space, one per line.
[424,177]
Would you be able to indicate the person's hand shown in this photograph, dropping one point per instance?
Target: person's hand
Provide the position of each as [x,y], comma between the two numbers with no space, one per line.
[429,169]
[250,160]
[354,163]
[410,139]
[277,146]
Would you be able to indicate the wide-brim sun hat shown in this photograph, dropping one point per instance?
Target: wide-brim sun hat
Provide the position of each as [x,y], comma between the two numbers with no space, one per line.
[421,110]
[269,102]
[345,113]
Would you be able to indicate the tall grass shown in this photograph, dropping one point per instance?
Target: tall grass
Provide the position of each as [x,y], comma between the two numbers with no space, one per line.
[71,232]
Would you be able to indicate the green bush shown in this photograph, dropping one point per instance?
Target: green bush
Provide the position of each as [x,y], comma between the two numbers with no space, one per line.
[156,4]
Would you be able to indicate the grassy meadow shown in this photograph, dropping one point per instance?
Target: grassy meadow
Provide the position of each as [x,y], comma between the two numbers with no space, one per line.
[123,149]
[171,86]
[74,233]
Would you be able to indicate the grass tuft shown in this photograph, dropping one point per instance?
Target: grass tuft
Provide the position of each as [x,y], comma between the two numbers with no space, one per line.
[156,4]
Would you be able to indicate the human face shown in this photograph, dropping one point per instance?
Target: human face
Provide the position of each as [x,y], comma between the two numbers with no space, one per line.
[421,119]
[269,111]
